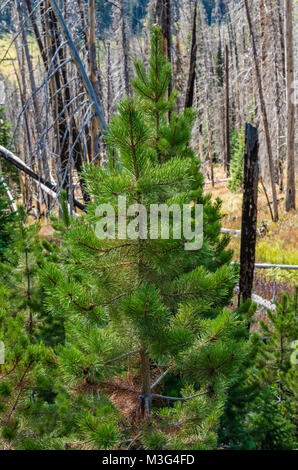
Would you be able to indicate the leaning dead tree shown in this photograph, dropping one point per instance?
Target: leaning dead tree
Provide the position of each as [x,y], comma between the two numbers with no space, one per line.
[79,65]
[249,213]
[46,186]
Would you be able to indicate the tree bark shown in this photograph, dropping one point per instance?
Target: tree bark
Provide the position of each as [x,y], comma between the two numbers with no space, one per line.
[163,13]
[192,63]
[93,75]
[290,189]
[249,213]
[227,113]
[264,113]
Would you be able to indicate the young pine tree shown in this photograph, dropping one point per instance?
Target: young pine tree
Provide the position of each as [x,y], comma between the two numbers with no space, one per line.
[145,316]
[26,330]
[22,365]
[261,412]
[275,373]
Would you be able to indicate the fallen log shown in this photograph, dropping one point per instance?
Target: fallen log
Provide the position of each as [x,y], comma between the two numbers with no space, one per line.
[46,186]
[271,266]
[230,230]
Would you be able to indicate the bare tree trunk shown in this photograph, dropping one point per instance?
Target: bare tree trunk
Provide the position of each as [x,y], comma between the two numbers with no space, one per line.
[163,12]
[192,63]
[78,63]
[227,113]
[249,213]
[209,135]
[41,160]
[125,49]
[37,33]
[264,113]
[281,37]
[109,82]
[290,189]
[277,102]
[95,124]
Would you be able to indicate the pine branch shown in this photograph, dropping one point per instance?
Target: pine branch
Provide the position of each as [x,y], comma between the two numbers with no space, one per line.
[164,397]
[160,378]
[123,356]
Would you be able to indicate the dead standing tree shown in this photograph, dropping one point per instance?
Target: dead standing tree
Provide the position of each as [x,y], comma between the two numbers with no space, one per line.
[249,213]
[263,111]
[290,128]
[192,63]
[163,14]
[94,79]
[227,113]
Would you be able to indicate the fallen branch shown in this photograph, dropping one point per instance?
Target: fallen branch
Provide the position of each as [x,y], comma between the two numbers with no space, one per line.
[46,186]
[8,192]
[230,230]
[263,302]
[270,266]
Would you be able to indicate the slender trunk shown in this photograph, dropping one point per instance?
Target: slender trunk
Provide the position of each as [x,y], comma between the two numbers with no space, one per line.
[146,385]
[209,135]
[264,113]
[192,64]
[93,74]
[249,213]
[125,49]
[290,189]
[227,113]
[109,82]
[37,33]
[163,13]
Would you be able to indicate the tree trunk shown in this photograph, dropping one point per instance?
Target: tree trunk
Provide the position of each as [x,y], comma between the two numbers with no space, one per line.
[264,113]
[93,75]
[125,49]
[163,13]
[192,64]
[227,113]
[146,385]
[209,135]
[249,213]
[290,189]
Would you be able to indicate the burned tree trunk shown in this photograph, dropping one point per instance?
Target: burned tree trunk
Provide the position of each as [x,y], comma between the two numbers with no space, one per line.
[192,64]
[249,213]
